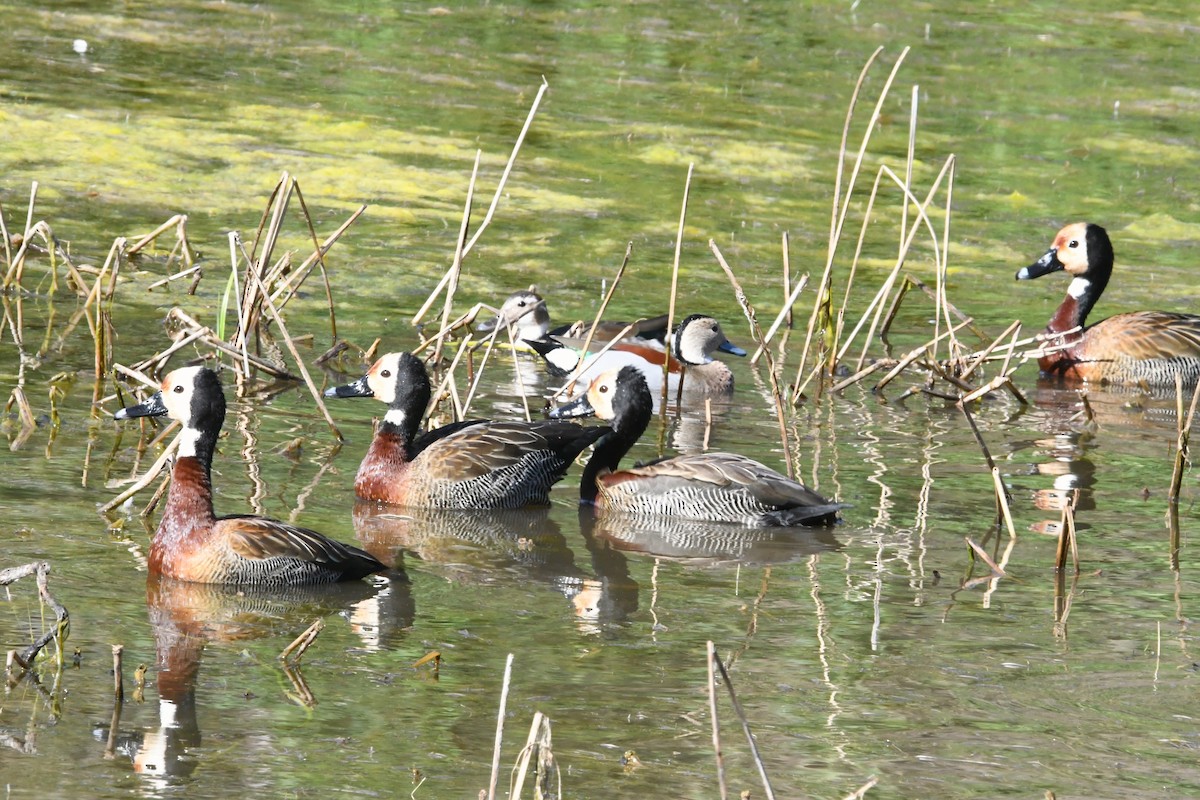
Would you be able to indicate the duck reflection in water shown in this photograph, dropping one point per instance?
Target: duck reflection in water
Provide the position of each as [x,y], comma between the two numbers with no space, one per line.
[700,542]
[492,547]
[184,618]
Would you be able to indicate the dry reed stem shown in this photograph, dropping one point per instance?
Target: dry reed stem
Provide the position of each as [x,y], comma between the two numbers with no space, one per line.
[741,715]
[316,257]
[538,741]
[910,357]
[456,263]
[772,371]
[463,347]
[212,340]
[862,373]
[312,387]
[978,358]
[508,662]
[716,723]
[1002,501]
[487,218]
[5,236]
[56,633]
[666,367]
[861,792]
[901,257]
[781,318]
[985,558]
[319,252]
[591,332]
[118,678]
[840,207]
[589,359]
[1184,431]
[987,454]
[149,475]
[295,651]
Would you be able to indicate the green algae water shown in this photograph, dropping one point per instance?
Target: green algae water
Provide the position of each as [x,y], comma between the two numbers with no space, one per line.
[882,648]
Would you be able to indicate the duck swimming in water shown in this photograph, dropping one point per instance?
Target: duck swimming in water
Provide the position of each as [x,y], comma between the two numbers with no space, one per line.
[1137,347]
[717,487]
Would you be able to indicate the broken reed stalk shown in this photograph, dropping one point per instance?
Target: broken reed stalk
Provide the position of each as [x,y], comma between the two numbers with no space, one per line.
[57,632]
[320,254]
[666,367]
[978,358]
[984,557]
[1002,508]
[540,742]
[772,370]
[861,792]
[487,218]
[456,262]
[908,359]
[295,651]
[591,332]
[118,678]
[491,793]
[147,478]
[876,305]
[1183,426]
[590,359]
[840,207]
[716,723]
[1067,541]
[741,715]
[784,316]
[291,346]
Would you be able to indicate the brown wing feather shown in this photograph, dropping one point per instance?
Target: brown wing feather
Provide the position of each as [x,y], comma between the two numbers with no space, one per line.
[261,538]
[730,470]
[1144,335]
[492,446]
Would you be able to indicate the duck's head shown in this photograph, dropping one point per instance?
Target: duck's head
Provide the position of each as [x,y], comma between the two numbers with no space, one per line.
[191,395]
[1083,251]
[697,338]
[397,379]
[525,311]
[615,395]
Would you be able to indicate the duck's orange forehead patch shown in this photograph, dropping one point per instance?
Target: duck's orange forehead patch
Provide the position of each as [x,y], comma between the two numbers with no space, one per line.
[166,384]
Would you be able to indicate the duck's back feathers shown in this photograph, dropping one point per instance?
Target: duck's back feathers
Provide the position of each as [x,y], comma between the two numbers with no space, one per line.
[716,486]
[276,552]
[491,446]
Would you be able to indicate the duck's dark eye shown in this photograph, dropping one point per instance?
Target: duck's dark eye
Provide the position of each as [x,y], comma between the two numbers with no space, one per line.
[387,373]
[603,389]
[522,303]
[1073,243]
[177,389]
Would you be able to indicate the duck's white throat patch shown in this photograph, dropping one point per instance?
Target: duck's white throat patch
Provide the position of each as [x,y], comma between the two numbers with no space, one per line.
[395,416]
[1079,287]
[188,438]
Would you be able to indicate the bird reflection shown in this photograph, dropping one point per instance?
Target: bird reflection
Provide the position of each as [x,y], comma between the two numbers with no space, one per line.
[496,545]
[701,542]
[185,618]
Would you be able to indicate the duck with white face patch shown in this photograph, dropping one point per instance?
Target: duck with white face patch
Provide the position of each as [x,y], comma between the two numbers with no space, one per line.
[1135,348]
[193,544]
[468,464]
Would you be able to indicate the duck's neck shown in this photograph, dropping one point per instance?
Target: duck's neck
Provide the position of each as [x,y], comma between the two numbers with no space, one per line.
[189,509]
[389,454]
[627,428]
[1072,313]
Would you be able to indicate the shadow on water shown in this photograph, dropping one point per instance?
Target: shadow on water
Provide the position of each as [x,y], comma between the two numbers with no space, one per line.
[187,617]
